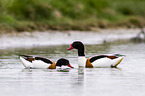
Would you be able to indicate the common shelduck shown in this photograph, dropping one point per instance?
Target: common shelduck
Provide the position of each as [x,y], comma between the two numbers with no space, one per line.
[41,62]
[104,60]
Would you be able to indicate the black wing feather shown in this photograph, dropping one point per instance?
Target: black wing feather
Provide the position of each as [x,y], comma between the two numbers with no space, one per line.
[43,59]
[97,57]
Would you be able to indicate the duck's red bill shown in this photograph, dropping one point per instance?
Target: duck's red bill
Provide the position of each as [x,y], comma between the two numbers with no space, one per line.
[70,47]
[70,66]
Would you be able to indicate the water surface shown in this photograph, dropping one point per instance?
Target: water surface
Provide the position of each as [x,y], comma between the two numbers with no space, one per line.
[126,80]
[63,38]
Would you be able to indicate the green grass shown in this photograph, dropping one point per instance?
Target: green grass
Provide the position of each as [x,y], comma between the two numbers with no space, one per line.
[29,15]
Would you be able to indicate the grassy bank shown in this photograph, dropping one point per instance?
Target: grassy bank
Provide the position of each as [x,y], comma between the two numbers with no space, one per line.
[29,15]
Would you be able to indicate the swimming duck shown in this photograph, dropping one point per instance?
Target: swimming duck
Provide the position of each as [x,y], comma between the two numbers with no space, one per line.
[41,62]
[104,60]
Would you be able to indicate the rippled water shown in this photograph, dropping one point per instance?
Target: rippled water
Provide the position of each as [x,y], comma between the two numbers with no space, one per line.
[126,80]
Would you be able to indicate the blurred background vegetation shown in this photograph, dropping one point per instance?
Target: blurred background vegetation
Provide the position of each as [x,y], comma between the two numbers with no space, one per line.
[30,15]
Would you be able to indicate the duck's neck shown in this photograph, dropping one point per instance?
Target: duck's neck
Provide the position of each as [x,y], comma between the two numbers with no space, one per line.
[81,57]
[81,52]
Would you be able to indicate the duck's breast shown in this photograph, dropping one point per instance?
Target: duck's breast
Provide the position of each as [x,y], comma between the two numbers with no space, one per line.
[81,61]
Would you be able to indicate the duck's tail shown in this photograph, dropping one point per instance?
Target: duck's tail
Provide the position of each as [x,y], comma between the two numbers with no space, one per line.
[26,63]
[117,61]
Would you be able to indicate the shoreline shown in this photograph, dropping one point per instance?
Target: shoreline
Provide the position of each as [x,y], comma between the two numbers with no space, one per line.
[91,27]
[30,39]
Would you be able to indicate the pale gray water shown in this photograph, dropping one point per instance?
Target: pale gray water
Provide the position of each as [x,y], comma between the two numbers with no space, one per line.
[126,80]
[62,38]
